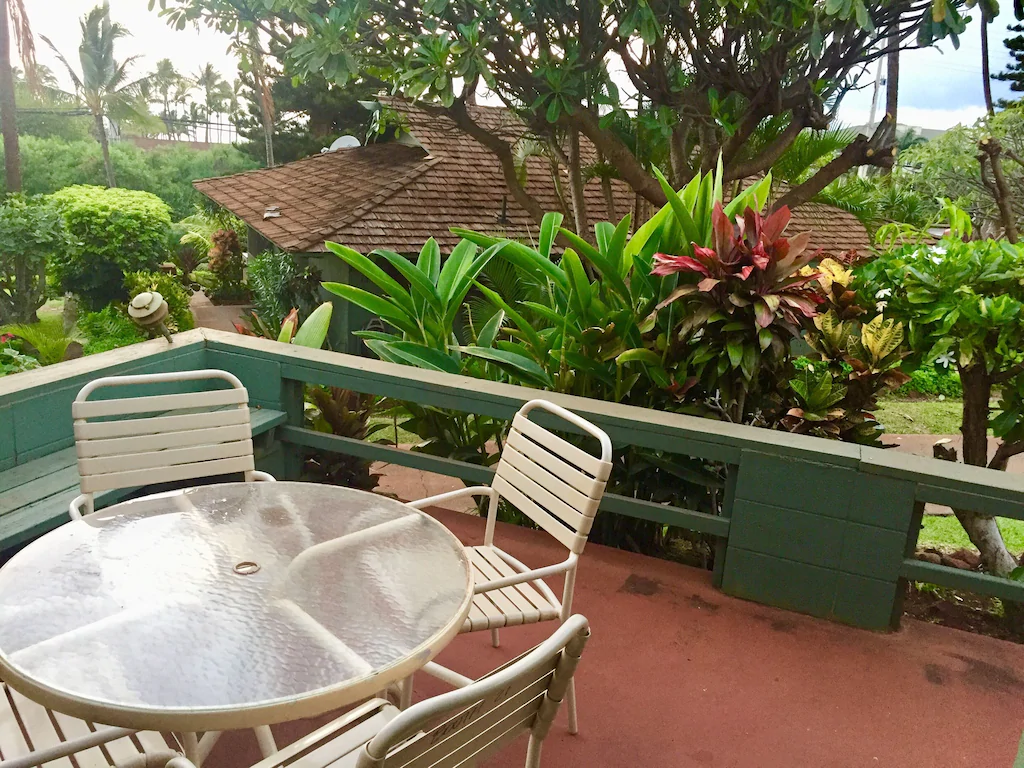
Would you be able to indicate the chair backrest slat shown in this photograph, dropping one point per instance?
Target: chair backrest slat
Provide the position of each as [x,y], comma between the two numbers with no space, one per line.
[159,441]
[216,398]
[102,430]
[462,727]
[162,438]
[556,484]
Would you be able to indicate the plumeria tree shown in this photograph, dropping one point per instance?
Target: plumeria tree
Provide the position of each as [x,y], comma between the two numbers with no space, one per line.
[963,301]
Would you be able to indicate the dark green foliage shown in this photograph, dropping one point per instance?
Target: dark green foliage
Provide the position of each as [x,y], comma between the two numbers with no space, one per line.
[108,329]
[176,295]
[13,361]
[933,380]
[116,231]
[278,285]
[31,230]
[49,164]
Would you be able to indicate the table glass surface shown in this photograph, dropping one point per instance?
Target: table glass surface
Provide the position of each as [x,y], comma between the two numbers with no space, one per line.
[150,605]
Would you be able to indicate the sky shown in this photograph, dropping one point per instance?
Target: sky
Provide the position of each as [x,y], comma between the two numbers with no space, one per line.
[939,87]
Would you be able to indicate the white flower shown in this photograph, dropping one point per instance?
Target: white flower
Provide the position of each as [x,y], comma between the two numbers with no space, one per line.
[938,249]
[937,259]
[885,293]
[810,368]
[881,305]
[945,359]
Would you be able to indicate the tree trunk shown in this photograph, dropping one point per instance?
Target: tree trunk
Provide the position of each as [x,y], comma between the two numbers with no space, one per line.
[892,86]
[108,166]
[576,186]
[8,109]
[991,150]
[981,529]
[986,79]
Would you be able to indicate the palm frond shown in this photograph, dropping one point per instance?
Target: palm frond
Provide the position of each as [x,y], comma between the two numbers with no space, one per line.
[809,150]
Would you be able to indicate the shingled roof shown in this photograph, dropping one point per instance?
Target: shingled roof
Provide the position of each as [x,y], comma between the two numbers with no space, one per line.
[397,195]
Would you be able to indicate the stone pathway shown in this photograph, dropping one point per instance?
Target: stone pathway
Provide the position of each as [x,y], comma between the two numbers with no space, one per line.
[210,315]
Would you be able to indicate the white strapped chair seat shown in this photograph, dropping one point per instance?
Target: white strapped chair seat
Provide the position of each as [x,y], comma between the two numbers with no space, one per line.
[31,735]
[137,441]
[557,485]
[459,728]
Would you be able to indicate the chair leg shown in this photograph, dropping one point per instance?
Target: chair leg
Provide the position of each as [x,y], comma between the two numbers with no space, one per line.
[495,641]
[533,752]
[570,705]
[405,699]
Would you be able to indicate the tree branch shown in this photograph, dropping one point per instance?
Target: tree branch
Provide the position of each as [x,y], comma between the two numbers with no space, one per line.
[878,150]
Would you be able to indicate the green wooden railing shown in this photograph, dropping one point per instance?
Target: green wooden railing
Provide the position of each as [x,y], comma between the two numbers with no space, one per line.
[816,526]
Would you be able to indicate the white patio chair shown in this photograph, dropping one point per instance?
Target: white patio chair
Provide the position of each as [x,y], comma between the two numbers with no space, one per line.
[559,487]
[460,728]
[32,735]
[166,438]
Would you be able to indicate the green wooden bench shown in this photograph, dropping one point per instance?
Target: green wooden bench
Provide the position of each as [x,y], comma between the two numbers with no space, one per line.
[34,496]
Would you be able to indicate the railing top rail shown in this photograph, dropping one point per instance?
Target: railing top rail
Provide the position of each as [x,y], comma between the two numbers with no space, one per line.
[696,436]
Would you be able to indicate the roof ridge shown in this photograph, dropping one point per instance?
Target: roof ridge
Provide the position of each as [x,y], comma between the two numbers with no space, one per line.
[387,192]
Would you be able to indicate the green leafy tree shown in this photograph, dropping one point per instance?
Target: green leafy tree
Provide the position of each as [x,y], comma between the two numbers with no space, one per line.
[170,85]
[103,82]
[963,303]
[709,72]
[31,231]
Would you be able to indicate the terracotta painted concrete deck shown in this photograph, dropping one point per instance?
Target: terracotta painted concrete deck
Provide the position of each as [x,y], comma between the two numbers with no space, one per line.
[677,674]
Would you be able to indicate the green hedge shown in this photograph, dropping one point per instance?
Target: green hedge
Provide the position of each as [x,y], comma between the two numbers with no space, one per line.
[115,231]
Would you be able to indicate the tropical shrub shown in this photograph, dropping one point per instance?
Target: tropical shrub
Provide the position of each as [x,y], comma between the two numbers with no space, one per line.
[278,285]
[12,360]
[933,380]
[963,303]
[115,231]
[226,268]
[177,296]
[48,342]
[31,231]
[108,329]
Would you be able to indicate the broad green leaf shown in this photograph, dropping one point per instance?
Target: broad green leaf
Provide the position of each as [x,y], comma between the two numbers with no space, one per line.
[376,305]
[519,255]
[418,281]
[490,330]
[513,363]
[645,356]
[467,279]
[577,279]
[429,261]
[679,211]
[313,332]
[548,230]
[374,274]
[424,357]
[454,267]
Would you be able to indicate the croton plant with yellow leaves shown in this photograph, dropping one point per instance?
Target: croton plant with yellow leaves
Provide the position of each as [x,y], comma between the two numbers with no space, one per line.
[855,361]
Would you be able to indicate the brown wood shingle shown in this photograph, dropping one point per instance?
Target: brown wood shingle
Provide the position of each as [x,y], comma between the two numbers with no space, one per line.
[396,196]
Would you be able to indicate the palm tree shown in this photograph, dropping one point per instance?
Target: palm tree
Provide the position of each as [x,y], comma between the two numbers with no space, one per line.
[13,14]
[103,84]
[215,92]
[167,82]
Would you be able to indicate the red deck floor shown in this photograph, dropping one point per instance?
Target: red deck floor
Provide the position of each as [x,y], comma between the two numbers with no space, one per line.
[678,674]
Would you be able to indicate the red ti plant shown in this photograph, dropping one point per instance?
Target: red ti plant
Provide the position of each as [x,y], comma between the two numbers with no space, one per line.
[739,304]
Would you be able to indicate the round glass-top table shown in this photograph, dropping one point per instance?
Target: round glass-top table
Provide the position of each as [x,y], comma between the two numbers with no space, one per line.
[229,606]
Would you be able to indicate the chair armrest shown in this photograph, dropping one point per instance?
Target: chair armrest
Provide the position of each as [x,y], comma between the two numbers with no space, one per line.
[534,574]
[264,477]
[476,490]
[75,511]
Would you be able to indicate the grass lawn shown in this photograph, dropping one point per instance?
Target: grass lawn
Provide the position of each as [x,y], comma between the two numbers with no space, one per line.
[946,532]
[920,417]
[403,437]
